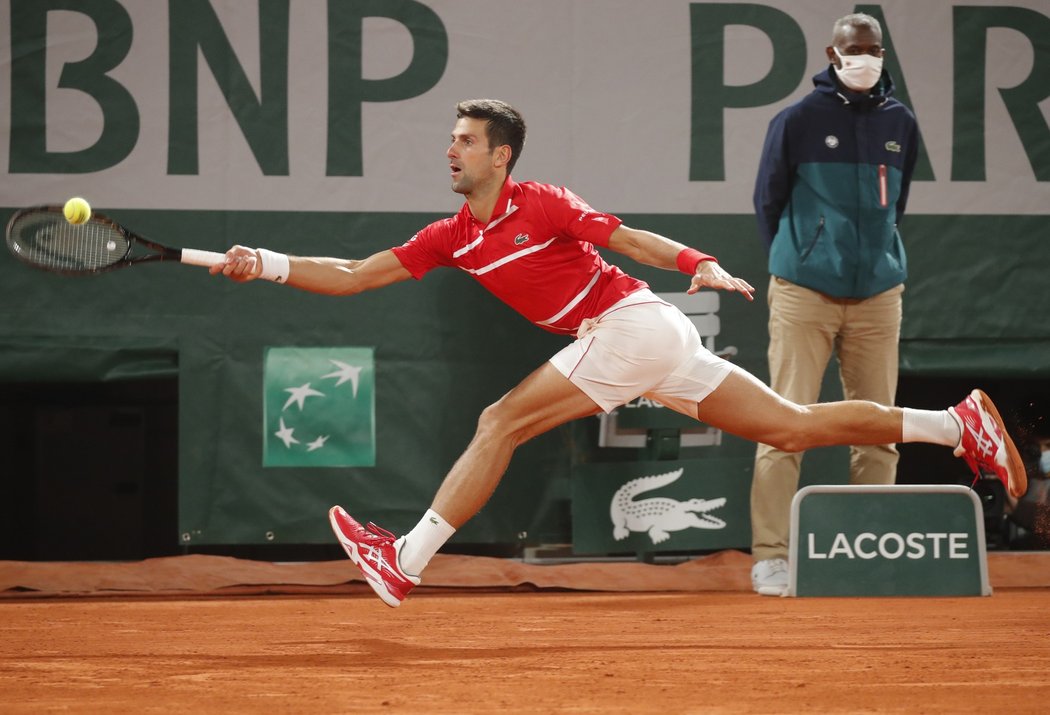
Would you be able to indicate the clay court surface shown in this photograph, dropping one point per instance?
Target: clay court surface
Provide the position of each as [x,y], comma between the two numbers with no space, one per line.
[77,640]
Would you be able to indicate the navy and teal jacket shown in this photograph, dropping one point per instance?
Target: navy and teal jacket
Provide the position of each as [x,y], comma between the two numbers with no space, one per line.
[832,186]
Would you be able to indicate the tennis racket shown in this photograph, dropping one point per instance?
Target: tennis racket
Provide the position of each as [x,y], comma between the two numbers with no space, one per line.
[41,237]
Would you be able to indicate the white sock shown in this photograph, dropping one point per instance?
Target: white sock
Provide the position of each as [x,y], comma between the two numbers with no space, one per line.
[932,426]
[420,544]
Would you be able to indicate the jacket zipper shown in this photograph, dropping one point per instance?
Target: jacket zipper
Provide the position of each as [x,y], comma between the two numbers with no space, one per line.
[883,197]
[816,237]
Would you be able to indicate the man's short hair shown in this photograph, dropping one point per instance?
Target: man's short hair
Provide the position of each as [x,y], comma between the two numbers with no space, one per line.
[857,19]
[505,124]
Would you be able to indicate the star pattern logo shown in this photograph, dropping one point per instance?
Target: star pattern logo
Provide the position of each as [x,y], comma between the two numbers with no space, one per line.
[344,373]
[319,407]
[299,395]
[317,443]
[285,435]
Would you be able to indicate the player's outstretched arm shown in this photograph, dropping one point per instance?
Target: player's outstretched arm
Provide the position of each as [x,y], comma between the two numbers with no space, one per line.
[655,250]
[711,275]
[330,276]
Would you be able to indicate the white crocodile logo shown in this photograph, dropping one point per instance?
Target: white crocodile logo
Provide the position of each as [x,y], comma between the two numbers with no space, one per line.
[659,515]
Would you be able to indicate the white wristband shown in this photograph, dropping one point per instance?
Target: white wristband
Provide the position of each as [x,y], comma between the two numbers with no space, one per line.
[275,266]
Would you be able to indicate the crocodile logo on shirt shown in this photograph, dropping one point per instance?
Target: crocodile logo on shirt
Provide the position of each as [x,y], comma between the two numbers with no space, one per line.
[521,238]
[893,146]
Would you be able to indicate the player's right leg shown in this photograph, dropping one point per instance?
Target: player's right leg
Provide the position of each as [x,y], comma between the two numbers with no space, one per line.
[541,402]
[375,552]
[641,340]
[391,566]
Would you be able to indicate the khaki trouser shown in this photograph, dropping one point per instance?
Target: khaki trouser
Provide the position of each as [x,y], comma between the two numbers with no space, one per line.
[804,328]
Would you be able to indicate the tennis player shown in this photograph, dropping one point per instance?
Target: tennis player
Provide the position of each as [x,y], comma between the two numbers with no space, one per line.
[533,246]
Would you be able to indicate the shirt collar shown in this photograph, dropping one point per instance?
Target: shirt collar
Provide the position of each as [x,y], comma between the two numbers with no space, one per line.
[504,204]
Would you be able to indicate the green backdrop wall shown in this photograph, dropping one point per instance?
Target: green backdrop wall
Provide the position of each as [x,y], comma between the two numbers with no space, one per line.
[444,349]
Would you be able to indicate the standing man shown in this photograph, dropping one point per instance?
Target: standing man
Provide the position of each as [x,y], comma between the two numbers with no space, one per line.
[533,246]
[831,190]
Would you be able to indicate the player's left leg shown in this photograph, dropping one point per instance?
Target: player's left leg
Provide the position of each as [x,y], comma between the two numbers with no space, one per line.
[744,406]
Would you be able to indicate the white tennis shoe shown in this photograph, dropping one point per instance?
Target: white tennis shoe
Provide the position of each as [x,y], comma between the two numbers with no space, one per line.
[769,577]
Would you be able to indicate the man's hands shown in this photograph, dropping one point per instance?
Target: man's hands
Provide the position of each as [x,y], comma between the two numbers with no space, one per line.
[652,249]
[242,264]
[711,275]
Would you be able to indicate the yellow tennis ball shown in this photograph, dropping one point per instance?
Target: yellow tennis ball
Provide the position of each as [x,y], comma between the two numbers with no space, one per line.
[77,210]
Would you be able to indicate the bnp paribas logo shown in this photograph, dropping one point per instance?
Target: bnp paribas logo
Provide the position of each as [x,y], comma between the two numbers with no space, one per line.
[319,407]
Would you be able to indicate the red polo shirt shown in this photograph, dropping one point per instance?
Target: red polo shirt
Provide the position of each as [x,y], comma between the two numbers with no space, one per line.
[537,254]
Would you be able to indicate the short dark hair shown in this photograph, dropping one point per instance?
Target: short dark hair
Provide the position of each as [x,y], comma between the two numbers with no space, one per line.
[505,125]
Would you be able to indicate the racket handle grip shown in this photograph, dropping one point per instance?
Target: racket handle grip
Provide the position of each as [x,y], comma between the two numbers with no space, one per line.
[194,257]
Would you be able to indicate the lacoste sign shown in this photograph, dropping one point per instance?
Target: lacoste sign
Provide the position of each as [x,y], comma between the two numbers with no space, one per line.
[890,545]
[921,540]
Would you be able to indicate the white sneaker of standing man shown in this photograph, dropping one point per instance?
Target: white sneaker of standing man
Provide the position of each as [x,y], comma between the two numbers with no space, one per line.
[769,577]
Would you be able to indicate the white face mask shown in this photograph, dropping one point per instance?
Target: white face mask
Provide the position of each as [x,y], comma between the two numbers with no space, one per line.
[859,72]
[1044,462]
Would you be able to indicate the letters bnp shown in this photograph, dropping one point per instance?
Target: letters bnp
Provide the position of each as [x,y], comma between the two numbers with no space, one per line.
[889,545]
[196,36]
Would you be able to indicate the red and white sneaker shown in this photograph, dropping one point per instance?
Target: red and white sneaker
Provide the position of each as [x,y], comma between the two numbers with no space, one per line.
[985,444]
[375,551]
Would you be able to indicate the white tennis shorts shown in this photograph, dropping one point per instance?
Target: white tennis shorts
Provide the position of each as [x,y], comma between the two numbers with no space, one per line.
[642,346]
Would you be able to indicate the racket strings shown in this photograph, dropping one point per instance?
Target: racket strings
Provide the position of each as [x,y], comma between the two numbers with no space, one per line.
[48,240]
